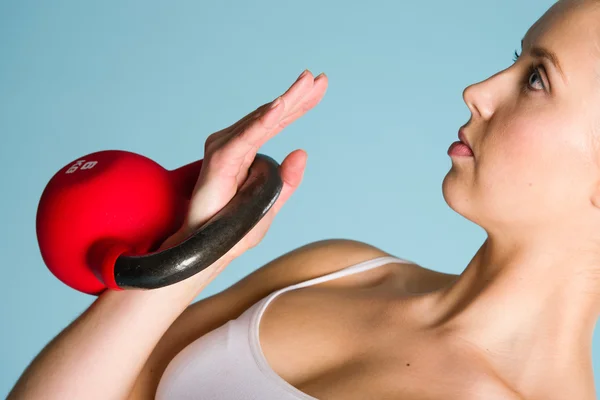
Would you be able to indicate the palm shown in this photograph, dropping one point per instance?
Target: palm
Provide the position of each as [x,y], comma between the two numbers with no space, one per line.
[230,152]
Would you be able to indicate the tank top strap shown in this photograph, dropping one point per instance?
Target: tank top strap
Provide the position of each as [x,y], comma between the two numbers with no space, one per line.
[253,317]
[352,269]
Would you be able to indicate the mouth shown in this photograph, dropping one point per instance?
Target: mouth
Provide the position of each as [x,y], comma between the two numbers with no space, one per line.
[463,139]
[462,148]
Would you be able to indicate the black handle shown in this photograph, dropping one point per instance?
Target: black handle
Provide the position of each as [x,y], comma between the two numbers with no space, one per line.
[212,240]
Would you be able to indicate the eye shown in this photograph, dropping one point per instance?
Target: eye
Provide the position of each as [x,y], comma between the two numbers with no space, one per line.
[533,71]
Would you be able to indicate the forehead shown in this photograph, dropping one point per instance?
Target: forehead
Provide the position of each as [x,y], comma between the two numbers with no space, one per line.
[571,29]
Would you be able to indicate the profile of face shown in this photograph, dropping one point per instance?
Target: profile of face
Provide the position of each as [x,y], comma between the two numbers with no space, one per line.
[535,131]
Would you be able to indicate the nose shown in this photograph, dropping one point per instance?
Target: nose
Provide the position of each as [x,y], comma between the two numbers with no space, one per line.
[479,99]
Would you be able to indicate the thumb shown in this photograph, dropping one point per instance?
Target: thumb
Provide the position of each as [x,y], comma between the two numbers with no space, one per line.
[292,171]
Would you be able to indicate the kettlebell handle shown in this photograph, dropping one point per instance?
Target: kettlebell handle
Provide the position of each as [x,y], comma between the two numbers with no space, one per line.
[207,244]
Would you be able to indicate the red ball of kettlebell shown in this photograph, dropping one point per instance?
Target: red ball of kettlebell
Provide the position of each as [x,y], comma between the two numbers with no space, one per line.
[101,218]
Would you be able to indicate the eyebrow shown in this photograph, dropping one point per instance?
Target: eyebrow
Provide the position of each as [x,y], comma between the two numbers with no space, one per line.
[541,52]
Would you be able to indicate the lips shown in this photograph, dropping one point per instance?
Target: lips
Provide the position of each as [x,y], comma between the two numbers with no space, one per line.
[461,148]
[463,139]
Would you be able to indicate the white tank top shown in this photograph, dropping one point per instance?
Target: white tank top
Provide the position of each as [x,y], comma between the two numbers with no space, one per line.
[228,363]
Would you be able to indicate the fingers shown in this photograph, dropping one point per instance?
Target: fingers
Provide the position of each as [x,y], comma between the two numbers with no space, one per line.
[234,149]
[304,94]
[254,132]
[298,91]
[247,138]
[292,171]
[291,98]
[309,102]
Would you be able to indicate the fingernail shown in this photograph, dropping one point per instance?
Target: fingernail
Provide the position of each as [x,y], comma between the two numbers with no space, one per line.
[303,73]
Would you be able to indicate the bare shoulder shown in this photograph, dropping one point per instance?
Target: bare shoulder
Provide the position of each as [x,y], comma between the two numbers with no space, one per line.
[330,255]
[307,262]
[301,264]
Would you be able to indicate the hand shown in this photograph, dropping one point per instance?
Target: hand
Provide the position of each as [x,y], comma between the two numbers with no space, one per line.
[230,152]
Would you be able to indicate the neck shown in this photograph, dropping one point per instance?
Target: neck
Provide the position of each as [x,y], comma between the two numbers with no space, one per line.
[531,310]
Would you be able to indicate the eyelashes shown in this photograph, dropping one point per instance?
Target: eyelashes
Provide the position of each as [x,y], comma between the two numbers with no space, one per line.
[533,69]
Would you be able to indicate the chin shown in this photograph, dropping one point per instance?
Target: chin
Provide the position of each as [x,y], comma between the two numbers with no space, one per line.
[466,200]
[458,195]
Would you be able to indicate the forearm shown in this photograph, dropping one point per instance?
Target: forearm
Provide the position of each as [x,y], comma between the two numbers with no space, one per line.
[101,353]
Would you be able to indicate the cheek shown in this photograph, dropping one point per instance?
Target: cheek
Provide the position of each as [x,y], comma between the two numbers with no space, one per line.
[513,156]
[530,166]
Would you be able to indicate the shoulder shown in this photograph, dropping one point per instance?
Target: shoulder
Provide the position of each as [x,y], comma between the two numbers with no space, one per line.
[307,262]
[301,264]
[331,255]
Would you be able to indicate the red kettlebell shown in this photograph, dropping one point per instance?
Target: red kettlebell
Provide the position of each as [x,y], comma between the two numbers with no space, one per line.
[101,218]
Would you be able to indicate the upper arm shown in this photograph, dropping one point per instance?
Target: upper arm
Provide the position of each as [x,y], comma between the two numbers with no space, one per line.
[304,263]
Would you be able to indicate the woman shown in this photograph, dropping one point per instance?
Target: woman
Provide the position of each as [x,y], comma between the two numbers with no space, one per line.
[340,319]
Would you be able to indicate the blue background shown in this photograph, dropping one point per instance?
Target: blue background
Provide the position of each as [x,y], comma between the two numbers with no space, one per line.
[158,77]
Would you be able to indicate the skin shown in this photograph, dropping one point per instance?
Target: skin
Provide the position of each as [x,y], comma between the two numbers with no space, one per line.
[133,322]
[534,186]
[516,324]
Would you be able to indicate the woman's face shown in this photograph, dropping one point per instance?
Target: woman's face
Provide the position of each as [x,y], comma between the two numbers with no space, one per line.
[535,133]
